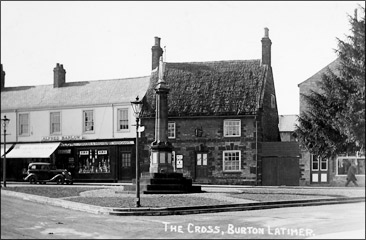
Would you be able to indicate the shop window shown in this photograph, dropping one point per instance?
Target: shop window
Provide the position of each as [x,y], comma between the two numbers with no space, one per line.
[231,161]
[23,124]
[232,128]
[171,130]
[94,161]
[55,122]
[122,115]
[343,163]
[88,118]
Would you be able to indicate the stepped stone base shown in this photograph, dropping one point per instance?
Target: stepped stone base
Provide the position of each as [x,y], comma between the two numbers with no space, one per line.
[164,183]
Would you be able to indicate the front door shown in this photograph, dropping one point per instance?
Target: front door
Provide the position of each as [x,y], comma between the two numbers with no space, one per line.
[125,165]
[201,165]
[319,169]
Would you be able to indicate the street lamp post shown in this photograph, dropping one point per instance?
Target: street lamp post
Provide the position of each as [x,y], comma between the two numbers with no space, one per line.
[4,122]
[137,107]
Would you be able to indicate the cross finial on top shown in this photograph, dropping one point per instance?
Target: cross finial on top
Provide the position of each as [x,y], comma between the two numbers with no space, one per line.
[161,70]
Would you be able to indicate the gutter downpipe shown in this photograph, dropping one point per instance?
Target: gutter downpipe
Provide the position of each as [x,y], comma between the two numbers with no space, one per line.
[113,120]
[16,125]
[256,152]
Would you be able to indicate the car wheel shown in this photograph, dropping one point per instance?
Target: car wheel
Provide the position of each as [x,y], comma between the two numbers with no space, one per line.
[32,180]
[60,180]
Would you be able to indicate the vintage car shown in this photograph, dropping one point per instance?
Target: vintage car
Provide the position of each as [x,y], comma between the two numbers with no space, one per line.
[42,172]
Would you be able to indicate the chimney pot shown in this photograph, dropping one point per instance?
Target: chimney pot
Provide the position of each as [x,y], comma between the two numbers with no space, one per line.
[266,32]
[157,41]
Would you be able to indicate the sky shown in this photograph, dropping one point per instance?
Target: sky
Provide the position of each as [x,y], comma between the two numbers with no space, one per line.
[100,40]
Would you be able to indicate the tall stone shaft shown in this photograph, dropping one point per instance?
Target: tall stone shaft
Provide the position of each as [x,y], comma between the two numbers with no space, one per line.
[161,149]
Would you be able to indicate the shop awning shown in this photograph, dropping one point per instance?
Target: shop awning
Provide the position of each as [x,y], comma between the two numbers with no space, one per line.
[8,146]
[32,150]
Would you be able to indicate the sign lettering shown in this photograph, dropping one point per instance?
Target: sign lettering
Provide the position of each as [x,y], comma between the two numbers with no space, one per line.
[102,152]
[62,138]
[84,152]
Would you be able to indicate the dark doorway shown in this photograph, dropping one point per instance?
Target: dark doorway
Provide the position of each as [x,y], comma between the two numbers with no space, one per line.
[126,170]
[201,165]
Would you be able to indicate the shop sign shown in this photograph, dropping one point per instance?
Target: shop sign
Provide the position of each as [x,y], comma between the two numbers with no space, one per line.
[64,151]
[62,138]
[84,152]
[102,152]
[97,143]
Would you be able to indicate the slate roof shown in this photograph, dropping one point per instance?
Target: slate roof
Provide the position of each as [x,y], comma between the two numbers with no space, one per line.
[287,123]
[317,76]
[210,88]
[85,93]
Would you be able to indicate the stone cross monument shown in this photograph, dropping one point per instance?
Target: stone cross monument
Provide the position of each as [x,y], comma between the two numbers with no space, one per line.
[161,149]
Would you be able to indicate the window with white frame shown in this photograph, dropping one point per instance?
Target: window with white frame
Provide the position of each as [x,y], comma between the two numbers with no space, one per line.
[324,164]
[343,164]
[88,119]
[23,124]
[314,163]
[319,163]
[55,122]
[231,161]
[171,129]
[122,115]
[232,128]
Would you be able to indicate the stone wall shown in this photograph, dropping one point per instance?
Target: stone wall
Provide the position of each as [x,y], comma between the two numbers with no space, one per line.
[213,142]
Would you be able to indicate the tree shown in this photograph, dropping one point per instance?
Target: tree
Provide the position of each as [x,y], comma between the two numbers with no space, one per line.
[335,120]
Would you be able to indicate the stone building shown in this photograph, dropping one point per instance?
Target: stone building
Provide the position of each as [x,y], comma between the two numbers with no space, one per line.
[219,113]
[324,171]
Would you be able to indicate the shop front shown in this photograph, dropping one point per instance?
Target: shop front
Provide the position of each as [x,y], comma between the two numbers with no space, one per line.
[104,161]
[87,161]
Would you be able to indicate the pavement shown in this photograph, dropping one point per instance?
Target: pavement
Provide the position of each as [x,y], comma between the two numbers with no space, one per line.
[250,205]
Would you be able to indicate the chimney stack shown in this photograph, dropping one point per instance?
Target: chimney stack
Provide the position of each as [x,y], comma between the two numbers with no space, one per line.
[157,52]
[2,78]
[59,74]
[266,48]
